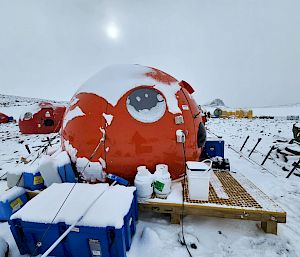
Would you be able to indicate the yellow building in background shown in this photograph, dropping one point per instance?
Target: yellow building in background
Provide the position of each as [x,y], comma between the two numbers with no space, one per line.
[239,113]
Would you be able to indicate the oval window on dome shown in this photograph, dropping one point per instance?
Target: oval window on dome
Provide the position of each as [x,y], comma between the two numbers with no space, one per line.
[27,116]
[146,105]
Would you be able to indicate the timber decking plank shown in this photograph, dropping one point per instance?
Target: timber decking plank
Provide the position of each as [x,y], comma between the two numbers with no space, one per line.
[245,202]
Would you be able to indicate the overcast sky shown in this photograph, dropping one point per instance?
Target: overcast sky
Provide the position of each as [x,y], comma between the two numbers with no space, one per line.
[246,52]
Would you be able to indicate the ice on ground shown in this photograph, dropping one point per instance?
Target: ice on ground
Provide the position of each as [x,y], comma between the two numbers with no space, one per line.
[144,242]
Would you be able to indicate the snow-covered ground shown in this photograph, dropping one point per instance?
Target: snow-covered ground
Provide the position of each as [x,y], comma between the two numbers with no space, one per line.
[16,105]
[284,110]
[217,237]
[224,237]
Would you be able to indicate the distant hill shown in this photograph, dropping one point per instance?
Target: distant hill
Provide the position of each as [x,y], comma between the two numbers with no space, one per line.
[11,100]
[276,111]
[15,105]
[215,103]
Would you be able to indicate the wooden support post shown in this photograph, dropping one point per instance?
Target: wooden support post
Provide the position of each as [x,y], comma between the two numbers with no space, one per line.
[49,141]
[28,149]
[269,227]
[254,147]
[268,154]
[244,143]
[293,169]
[175,218]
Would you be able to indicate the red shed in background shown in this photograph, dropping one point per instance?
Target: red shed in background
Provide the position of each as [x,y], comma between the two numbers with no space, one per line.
[44,118]
[3,118]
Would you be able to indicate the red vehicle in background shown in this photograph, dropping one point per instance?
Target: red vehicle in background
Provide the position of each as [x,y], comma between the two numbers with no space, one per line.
[44,118]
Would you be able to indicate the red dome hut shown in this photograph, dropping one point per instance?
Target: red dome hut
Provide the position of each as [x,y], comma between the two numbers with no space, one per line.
[3,118]
[43,118]
[126,116]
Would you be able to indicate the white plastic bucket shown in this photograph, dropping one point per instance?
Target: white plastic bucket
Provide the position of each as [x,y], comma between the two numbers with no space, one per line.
[198,174]
[144,183]
[162,181]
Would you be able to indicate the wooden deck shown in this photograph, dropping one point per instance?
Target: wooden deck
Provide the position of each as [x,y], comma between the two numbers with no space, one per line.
[231,196]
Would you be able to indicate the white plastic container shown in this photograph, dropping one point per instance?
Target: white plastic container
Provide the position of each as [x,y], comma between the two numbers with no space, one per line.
[198,174]
[144,183]
[49,172]
[14,179]
[91,171]
[162,181]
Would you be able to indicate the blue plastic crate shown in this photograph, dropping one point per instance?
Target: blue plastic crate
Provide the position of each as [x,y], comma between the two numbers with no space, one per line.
[66,173]
[130,221]
[91,241]
[28,235]
[214,147]
[8,207]
[83,240]
[33,181]
[107,241]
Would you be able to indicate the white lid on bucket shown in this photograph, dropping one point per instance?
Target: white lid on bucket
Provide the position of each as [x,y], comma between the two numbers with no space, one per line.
[197,166]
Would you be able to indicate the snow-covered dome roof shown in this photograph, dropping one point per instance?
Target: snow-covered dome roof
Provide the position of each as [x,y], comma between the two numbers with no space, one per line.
[114,81]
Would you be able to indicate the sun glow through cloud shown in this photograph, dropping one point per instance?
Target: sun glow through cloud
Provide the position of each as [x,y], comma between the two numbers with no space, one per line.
[112,31]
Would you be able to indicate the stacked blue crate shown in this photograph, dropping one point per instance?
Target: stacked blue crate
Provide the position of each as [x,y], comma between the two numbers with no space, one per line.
[66,173]
[11,201]
[214,147]
[90,237]
[64,167]
[33,180]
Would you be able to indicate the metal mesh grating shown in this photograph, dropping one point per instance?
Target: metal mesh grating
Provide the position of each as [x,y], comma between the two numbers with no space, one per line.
[238,196]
